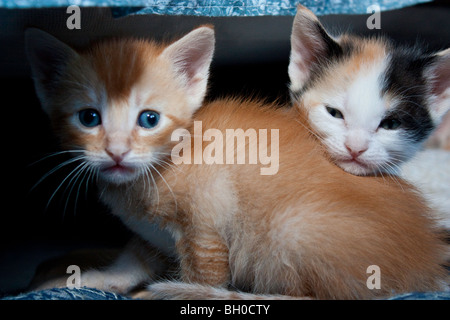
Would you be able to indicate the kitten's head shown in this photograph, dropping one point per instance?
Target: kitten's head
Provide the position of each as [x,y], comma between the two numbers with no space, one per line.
[118,101]
[371,103]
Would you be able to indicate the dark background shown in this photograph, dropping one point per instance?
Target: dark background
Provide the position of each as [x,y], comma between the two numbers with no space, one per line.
[251,59]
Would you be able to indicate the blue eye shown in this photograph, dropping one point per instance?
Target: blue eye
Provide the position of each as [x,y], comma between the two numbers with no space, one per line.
[148,119]
[89,117]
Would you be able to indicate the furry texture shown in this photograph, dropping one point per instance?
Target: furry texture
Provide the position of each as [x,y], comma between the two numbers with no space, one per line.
[237,226]
[95,98]
[373,104]
[370,102]
[309,230]
[429,172]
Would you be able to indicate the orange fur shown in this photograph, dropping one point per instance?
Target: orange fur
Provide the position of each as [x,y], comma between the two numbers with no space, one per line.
[309,230]
[119,77]
[368,52]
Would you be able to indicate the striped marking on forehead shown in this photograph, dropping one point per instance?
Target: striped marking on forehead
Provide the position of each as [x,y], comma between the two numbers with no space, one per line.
[120,64]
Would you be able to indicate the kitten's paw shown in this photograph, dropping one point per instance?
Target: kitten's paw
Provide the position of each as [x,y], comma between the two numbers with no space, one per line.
[121,283]
[170,290]
[173,290]
[108,281]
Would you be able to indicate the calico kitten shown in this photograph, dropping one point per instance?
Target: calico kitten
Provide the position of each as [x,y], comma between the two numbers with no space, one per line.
[370,102]
[311,229]
[373,104]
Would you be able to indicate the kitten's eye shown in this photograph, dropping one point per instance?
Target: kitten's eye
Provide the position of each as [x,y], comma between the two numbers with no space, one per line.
[148,119]
[335,113]
[390,124]
[89,117]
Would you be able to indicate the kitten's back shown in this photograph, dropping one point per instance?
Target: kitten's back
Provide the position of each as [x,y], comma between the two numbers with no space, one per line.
[310,229]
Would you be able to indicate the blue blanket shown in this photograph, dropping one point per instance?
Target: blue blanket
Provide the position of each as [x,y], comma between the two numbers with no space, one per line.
[94,294]
[221,8]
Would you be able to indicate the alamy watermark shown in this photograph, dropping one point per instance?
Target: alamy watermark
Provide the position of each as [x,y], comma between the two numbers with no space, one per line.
[374,21]
[234,146]
[74,280]
[74,20]
[374,280]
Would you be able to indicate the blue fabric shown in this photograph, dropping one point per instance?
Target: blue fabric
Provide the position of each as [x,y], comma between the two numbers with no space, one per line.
[83,293]
[94,294]
[423,296]
[220,8]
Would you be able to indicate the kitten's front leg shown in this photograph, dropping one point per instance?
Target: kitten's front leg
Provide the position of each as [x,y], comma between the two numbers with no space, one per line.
[204,264]
[204,258]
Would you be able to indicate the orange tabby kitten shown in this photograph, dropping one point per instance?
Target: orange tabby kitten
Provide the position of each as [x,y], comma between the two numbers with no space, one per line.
[114,106]
[305,229]
[309,230]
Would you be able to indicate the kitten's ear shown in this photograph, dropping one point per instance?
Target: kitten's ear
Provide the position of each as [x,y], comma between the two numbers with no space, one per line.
[310,43]
[191,58]
[438,75]
[47,56]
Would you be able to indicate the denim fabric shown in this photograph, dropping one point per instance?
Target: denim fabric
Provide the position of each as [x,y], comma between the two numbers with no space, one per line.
[94,294]
[221,8]
[423,296]
[83,293]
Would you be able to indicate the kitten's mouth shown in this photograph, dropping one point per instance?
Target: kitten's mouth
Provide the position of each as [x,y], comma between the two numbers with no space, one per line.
[355,166]
[355,161]
[118,168]
[118,173]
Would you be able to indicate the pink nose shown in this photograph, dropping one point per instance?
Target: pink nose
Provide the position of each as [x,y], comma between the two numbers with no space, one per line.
[355,152]
[117,156]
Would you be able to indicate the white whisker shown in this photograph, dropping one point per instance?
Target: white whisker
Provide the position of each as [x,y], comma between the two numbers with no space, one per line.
[61,165]
[390,170]
[309,130]
[170,189]
[167,165]
[148,172]
[53,154]
[64,180]
[91,171]
[73,182]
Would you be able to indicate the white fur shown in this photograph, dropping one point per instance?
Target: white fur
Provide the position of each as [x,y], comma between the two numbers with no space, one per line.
[188,291]
[118,125]
[429,171]
[126,272]
[439,74]
[363,109]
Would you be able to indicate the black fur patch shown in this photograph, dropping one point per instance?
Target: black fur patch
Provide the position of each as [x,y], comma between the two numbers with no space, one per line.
[334,53]
[404,79]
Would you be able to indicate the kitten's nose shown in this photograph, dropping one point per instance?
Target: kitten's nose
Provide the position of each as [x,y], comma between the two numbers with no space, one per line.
[355,152]
[117,155]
